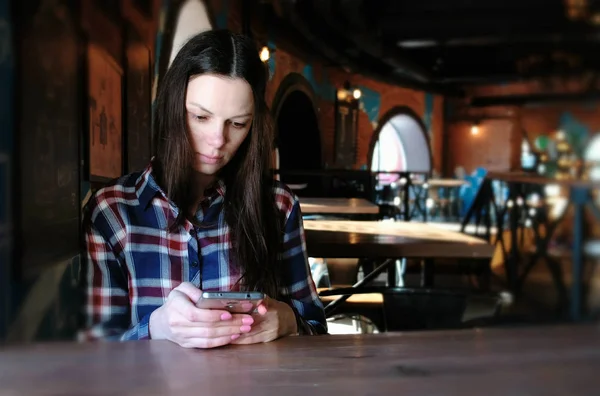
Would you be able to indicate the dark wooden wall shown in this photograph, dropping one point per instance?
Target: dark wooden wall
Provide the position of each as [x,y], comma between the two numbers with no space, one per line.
[55,89]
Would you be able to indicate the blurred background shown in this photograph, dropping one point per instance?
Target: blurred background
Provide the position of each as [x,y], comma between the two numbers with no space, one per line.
[397,93]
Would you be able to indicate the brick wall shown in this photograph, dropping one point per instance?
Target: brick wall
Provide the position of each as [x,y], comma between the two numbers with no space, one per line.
[491,148]
[502,128]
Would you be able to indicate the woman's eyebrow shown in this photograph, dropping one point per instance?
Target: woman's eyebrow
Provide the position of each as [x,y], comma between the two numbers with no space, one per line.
[201,107]
[198,105]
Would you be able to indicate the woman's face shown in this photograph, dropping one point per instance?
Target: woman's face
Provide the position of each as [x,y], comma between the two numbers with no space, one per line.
[219,116]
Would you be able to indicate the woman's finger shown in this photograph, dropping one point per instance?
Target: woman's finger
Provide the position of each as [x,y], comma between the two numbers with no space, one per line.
[256,336]
[210,332]
[180,320]
[191,291]
[262,309]
[207,342]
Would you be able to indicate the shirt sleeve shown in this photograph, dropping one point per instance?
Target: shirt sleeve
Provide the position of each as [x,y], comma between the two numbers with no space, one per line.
[107,311]
[299,288]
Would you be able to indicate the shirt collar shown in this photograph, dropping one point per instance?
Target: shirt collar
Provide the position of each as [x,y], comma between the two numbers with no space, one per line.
[215,190]
[147,188]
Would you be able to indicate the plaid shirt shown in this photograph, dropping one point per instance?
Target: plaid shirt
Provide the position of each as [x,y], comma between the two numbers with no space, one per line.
[133,262]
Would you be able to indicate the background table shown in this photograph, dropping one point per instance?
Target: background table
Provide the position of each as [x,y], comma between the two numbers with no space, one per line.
[527,361]
[349,206]
[383,239]
[387,241]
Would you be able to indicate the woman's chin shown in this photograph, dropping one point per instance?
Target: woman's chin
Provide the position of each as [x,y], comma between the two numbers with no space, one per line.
[207,169]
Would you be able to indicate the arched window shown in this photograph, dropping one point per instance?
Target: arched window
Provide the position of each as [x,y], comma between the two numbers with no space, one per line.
[388,153]
[400,144]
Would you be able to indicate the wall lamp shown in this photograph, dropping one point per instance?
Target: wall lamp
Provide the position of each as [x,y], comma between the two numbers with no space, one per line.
[265,53]
[346,93]
[475,128]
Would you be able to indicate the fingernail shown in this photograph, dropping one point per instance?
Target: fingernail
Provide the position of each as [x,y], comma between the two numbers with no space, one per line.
[247,321]
[235,337]
[226,316]
[245,329]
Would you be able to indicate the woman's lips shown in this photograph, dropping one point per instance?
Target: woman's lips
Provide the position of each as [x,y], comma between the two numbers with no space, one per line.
[210,160]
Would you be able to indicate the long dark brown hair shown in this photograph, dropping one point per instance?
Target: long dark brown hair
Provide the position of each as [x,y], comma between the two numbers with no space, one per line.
[249,204]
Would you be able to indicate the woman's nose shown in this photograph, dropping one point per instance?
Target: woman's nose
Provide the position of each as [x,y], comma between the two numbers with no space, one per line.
[216,137]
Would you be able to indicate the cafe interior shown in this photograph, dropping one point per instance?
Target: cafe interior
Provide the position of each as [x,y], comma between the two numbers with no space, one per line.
[445,154]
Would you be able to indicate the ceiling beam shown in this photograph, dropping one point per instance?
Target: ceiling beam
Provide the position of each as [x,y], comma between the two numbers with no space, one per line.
[360,64]
[520,100]
[373,47]
[499,40]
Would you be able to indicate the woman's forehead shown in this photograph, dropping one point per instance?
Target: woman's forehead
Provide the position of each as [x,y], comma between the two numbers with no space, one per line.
[219,95]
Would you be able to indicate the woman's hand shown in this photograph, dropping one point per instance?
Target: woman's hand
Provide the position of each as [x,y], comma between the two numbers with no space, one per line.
[275,319]
[180,321]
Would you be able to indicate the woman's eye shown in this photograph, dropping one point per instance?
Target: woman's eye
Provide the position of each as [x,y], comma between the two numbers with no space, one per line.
[238,125]
[200,117]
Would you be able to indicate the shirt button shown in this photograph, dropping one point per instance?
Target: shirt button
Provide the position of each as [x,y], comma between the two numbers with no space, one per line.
[194,264]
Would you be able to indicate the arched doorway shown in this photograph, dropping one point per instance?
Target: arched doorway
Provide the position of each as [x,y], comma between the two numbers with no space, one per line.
[183,19]
[298,138]
[400,144]
[192,19]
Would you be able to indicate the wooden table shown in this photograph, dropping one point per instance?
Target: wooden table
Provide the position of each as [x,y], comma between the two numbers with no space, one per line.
[385,242]
[448,183]
[525,361]
[337,206]
[383,239]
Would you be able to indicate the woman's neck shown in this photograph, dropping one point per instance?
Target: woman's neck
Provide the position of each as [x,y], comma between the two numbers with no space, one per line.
[200,182]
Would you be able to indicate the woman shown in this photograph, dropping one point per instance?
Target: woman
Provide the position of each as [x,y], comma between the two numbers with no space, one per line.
[206,214]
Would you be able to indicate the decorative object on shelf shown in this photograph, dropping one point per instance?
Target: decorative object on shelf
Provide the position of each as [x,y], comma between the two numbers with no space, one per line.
[529,158]
[565,162]
[546,166]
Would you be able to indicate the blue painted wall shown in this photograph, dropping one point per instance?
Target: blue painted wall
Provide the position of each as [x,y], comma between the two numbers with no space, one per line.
[428,113]
[6,72]
[221,16]
[370,103]
[323,89]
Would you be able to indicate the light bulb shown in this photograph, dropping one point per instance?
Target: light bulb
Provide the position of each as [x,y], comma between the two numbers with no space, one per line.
[265,54]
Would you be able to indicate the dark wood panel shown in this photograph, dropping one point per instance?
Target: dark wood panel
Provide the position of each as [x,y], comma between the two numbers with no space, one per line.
[138,112]
[540,360]
[146,7]
[47,137]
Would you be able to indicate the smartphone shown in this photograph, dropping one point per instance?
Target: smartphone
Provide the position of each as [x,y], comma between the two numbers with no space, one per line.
[234,302]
